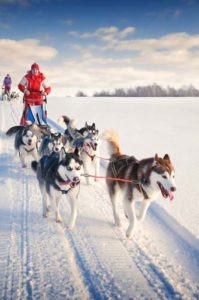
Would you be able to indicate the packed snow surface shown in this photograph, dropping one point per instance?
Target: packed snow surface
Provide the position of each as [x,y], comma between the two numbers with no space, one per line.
[40,259]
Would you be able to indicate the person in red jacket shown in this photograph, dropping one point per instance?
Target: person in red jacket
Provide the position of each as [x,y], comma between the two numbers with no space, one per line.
[35,89]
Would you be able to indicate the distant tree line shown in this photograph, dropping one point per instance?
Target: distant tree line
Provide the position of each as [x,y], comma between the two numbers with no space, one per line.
[147,91]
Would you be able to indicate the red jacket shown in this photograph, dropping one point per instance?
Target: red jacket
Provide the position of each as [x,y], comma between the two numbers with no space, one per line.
[35,84]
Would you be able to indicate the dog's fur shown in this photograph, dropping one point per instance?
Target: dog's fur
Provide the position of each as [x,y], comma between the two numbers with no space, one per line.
[150,177]
[90,156]
[88,146]
[58,174]
[53,143]
[25,141]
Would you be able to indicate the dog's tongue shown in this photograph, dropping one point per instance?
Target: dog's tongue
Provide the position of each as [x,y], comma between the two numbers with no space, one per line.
[171,196]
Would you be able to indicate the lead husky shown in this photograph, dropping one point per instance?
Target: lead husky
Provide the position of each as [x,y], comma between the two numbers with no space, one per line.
[148,178]
[59,174]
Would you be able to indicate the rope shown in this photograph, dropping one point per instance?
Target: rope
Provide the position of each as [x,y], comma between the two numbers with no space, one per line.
[112,178]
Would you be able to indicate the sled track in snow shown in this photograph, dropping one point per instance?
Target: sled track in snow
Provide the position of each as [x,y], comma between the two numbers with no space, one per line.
[37,244]
[153,264]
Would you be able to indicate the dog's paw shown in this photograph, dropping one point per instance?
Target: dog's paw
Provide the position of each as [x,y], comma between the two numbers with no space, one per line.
[45,215]
[59,220]
[48,208]
[118,222]
[128,234]
[140,217]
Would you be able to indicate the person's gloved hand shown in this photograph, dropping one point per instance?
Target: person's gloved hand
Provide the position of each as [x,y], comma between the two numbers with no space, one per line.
[26,92]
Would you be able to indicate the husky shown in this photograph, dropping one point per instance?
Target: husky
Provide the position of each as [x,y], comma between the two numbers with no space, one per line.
[145,180]
[26,138]
[89,154]
[87,141]
[74,133]
[59,174]
[53,143]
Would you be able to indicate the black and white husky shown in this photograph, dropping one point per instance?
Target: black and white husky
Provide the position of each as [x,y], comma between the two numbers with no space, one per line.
[87,141]
[145,180]
[53,142]
[59,174]
[26,138]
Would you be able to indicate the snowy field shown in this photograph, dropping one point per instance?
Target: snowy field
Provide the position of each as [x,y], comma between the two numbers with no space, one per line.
[40,259]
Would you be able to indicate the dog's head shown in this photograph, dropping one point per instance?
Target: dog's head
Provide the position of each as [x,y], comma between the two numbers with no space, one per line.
[56,142]
[91,129]
[70,167]
[163,176]
[28,136]
[91,143]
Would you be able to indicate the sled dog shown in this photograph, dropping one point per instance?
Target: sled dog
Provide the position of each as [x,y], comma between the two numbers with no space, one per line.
[90,156]
[25,141]
[148,178]
[53,143]
[87,141]
[59,174]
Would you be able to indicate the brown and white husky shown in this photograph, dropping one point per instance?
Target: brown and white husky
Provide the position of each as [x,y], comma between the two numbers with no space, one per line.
[146,180]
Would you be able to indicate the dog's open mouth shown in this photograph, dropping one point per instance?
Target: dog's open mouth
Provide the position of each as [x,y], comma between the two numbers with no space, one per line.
[165,193]
[29,143]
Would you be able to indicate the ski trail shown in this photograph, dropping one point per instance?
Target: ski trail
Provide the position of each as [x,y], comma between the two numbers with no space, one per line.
[108,270]
[38,262]
[40,259]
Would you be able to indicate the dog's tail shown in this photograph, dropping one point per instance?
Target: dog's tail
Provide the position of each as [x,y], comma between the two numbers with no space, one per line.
[112,139]
[67,121]
[13,130]
[34,165]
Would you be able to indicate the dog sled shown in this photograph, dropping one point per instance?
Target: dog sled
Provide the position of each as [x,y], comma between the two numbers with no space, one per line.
[35,114]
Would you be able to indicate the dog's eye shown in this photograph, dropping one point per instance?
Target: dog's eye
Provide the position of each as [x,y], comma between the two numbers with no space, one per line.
[164,176]
[78,168]
[69,168]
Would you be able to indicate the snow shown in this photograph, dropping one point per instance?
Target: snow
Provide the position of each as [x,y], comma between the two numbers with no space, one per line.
[40,259]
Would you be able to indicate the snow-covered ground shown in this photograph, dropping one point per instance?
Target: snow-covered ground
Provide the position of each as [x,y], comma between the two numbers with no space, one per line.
[40,259]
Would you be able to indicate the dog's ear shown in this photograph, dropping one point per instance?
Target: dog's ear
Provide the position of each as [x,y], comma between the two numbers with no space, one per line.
[93,125]
[156,157]
[62,154]
[86,124]
[166,157]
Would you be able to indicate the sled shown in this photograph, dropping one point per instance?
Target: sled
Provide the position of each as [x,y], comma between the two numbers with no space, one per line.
[35,114]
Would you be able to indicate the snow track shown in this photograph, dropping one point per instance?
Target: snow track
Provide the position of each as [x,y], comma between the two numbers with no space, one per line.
[40,259]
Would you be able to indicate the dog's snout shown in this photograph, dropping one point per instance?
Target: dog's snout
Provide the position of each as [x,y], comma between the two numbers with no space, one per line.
[173,189]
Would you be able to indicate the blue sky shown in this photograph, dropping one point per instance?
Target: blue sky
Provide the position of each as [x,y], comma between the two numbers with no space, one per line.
[95,45]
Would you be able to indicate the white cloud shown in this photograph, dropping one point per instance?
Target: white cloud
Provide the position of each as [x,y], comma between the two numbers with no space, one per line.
[16,57]
[19,53]
[105,33]
[114,61]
